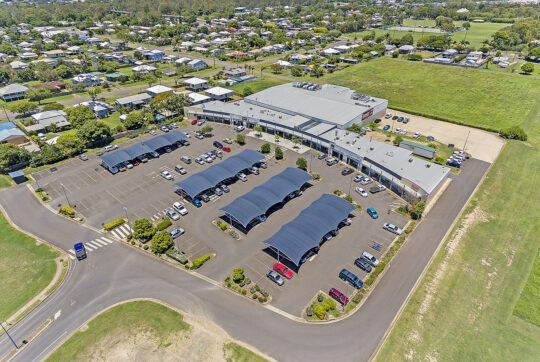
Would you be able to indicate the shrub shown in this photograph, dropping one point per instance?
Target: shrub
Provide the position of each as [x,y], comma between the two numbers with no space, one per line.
[513,133]
[161,242]
[338,192]
[238,275]
[241,284]
[279,153]
[257,288]
[264,293]
[309,311]
[241,139]
[197,263]
[319,311]
[357,298]
[397,140]
[145,247]
[265,148]
[67,211]
[254,296]
[315,176]
[439,160]
[320,298]
[143,230]
[414,57]
[223,226]
[244,292]
[132,242]
[176,255]
[329,304]
[247,281]
[348,198]
[164,224]
[252,290]
[417,210]
[301,163]
[114,224]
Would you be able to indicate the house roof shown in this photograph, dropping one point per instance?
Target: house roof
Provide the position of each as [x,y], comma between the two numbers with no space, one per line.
[13,88]
[133,99]
[195,81]
[218,91]
[157,89]
[7,133]
[7,125]
[419,145]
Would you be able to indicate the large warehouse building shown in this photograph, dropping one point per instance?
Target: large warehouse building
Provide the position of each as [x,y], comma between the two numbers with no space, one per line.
[319,115]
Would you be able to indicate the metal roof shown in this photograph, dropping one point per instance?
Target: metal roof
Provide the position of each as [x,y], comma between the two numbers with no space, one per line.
[260,199]
[305,232]
[114,158]
[204,180]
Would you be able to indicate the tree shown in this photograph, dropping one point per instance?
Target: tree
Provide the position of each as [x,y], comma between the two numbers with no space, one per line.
[527,68]
[143,230]
[278,153]
[247,91]
[12,156]
[296,142]
[52,107]
[265,148]
[38,94]
[258,129]
[93,92]
[301,163]
[26,75]
[417,210]
[398,140]
[134,120]
[205,130]
[513,133]
[93,130]
[64,71]
[297,71]
[407,39]
[241,139]
[276,68]
[79,115]
[176,103]
[466,25]
[23,107]
[4,76]
[50,154]
[70,145]
[137,55]
[161,242]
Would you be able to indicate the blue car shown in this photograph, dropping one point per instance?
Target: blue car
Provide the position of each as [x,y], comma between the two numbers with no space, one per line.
[400,119]
[453,164]
[371,212]
[196,203]
[386,128]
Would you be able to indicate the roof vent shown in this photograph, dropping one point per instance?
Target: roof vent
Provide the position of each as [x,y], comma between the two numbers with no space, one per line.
[410,160]
[371,148]
[428,165]
[348,142]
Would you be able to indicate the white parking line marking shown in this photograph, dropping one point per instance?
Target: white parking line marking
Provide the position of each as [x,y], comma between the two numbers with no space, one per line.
[107,240]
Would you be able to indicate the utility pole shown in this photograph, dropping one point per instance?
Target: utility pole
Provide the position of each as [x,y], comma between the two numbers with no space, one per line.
[7,116]
[466,139]
[350,183]
[11,339]
[64,189]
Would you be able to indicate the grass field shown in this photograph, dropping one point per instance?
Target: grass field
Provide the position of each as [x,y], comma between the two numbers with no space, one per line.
[5,181]
[113,120]
[236,353]
[465,307]
[258,85]
[528,305]
[473,96]
[25,269]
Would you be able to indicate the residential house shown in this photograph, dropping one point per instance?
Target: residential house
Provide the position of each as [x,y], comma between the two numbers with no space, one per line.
[49,61]
[235,73]
[143,69]
[74,50]
[17,65]
[197,64]
[407,49]
[133,102]
[9,133]
[44,121]
[56,53]
[153,55]
[284,64]
[100,109]
[219,93]
[54,86]
[196,84]
[157,90]
[182,61]
[27,55]
[197,98]
[389,49]
[88,80]
[450,53]
[13,92]
[115,76]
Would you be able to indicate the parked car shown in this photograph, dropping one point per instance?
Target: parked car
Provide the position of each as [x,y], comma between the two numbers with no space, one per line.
[430,138]
[337,295]
[110,148]
[198,135]
[350,278]
[153,132]
[176,232]
[226,149]
[331,161]
[172,214]
[225,188]
[400,119]
[406,120]
[143,159]
[453,163]
[262,165]
[228,141]
[194,122]
[395,117]
[208,159]
[361,191]
[377,188]
[166,175]
[371,212]
[135,162]
[403,132]
[180,170]
[217,191]
[362,264]
[283,270]
[173,125]
[180,208]
[366,181]
[121,167]
[196,202]
[392,228]
[397,130]
[217,144]
[128,165]
[154,154]
[199,160]
[254,170]
[204,197]
[388,115]
[275,277]
[358,178]
[416,134]
[200,122]
[386,127]
[241,177]
[83,157]
[347,171]
[41,136]
[186,159]
[240,128]
[164,129]
[373,261]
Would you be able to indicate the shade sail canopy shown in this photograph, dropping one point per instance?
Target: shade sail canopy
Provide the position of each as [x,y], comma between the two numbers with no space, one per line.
[217,173]
[257,201]
[305,232]
[129,153]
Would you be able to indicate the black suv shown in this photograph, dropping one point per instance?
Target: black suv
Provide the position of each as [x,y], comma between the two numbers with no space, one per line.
[347,171]
[350,278]
[362,264]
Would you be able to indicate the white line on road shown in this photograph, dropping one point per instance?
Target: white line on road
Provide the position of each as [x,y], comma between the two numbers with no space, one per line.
[88,247]
[107,240]
[71,257]
[102,243]
[71,251]
[94,244]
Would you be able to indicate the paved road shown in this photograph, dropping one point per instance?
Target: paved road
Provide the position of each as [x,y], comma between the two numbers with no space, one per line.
[121,273]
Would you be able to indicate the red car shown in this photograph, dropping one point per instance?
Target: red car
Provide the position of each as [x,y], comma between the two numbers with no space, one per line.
[340,297]
[194,122]
[135,162]
[226,149]
[283,270]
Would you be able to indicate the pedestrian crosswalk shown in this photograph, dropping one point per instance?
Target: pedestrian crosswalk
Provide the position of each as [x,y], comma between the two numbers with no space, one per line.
[159,215]
[122,231]
[92,245]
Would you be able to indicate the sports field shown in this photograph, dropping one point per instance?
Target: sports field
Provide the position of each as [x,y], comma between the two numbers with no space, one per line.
[25,269]
[472,96]
[258,85]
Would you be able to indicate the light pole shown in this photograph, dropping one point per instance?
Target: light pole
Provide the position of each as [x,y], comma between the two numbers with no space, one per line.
[127,218]
[466,139]
[65,194]
[11,339]
[346,293]
[350,183]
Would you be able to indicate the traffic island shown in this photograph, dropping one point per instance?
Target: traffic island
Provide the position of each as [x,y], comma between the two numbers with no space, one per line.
[241,284]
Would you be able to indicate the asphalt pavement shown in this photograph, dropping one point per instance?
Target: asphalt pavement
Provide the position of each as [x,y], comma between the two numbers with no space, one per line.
[121,273]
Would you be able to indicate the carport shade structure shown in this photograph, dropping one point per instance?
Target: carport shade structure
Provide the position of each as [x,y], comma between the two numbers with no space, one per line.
[257,201]
[217,173]
[305,232]
[129,153]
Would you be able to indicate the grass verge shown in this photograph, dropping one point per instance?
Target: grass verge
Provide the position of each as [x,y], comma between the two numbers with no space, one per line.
[528,304]
[25,269]
[236,353]
[258,85]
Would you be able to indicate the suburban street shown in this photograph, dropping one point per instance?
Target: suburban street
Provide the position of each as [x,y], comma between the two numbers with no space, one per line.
[118,272]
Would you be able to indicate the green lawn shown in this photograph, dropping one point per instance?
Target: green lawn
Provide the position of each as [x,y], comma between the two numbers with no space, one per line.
[465,307]
[258,85]
[25,269]
[528,305]
[236,353]
[113,120]
[5,181]
[155,320]
[473,96]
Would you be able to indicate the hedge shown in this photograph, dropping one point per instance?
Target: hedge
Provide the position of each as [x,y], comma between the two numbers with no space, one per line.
[114,224]
[67,211]
[197,263]
[164,224]
[174,254]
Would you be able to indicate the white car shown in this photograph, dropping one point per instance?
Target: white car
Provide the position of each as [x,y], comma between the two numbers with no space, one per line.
[200,122]
[180,208]
[404,132]
[209,159]
[41,136]
[172,214]
[166,175]
[397,130]
[199,136]
[358,178]
[416,134]
[110,148]
[370,258]
[361,191]
[153,132]
[392,228]
[240,128]
[242,177]
[366,181]
[176,232]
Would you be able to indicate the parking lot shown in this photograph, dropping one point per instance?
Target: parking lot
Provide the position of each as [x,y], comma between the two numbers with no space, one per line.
[101,197]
